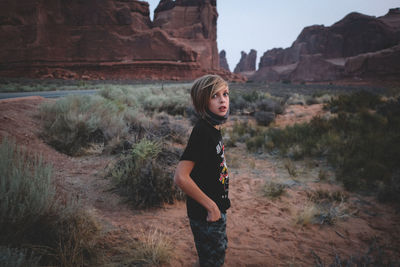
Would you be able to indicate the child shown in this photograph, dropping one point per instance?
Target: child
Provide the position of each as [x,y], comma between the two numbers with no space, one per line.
[202,172]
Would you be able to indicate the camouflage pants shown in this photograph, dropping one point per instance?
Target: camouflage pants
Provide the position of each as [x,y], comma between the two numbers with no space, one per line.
[211,241]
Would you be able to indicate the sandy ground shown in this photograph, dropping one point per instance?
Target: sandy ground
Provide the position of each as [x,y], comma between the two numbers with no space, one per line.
[261,232]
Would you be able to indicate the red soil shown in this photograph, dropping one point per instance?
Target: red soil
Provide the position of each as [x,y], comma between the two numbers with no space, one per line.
[261,232]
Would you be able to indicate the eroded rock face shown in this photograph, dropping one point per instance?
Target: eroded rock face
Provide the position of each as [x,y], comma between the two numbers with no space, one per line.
[247,62]
[383,64]
[193,22]
[103,38]
[320,52]
[315,67]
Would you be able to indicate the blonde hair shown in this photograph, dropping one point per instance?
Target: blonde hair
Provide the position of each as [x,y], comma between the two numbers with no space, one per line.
[202,90]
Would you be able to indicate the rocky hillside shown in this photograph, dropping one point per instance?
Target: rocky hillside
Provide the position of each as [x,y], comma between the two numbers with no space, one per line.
[108,39]
[358,47]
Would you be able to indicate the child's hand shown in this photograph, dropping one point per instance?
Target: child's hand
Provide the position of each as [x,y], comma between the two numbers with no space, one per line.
[214,214]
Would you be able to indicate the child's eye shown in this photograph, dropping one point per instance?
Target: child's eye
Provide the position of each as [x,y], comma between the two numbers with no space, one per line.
[226,94]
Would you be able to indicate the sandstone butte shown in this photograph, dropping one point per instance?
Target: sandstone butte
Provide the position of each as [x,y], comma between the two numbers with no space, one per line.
[356,48]
[104,39]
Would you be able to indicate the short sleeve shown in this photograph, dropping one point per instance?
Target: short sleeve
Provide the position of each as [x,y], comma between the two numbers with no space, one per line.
[195,147]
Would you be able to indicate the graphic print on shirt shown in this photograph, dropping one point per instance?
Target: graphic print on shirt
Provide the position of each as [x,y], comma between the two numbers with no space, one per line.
[224,177]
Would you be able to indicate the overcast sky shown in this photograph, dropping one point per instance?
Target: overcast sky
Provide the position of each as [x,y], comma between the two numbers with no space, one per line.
[266,24]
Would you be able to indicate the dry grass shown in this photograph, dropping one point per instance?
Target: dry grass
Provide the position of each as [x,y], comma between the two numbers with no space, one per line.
[149,248]
[290,167]
[37,219]
[307,215]
[324,207]
[154,248]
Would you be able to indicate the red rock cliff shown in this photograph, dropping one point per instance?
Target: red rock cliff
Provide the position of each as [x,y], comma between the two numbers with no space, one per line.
[108,39]
[321,53]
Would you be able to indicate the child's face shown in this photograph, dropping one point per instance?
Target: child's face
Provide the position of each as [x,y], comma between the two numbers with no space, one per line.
[219,102]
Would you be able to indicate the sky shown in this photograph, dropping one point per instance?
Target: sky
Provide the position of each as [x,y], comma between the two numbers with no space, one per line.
[266,24]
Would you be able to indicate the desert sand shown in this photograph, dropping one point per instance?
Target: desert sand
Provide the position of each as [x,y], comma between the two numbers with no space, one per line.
[261,231]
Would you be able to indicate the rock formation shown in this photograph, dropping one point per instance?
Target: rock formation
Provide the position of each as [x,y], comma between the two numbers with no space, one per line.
[383,64]
[320,53]
[108,39]
[223,63]
[247,63]
[194,23]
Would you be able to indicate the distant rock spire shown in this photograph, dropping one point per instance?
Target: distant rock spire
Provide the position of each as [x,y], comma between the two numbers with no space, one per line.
[223,63]
[247,62]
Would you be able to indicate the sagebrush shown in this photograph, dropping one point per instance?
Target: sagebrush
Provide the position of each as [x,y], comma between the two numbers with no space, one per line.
[144,176]
[36,224]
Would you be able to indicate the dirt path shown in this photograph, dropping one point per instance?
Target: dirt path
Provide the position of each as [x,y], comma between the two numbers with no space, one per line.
[261,232]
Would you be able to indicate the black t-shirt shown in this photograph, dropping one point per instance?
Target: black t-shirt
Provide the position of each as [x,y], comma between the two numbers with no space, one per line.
[210,173]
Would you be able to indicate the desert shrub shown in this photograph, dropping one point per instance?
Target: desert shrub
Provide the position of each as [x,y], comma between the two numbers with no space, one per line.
[172,100]
[362,145]
[172,103]
[66,236]
[264,118]
[237,103]
[307,214]
[245,132]
[270,105]
[121,95]
[33,217]
[367,153]
[290,167]
[319,99]
[355,102]
[252,101]
[320,195]
[331,205]
[74,122]
[26,192]
[256,143]
[297,99]
[236,133]
[300,140]
[144,176]
[326,213]
[167,127]
[273,190]
[153,248]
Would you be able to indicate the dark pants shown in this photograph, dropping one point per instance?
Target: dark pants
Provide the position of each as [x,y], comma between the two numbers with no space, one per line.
[211,241]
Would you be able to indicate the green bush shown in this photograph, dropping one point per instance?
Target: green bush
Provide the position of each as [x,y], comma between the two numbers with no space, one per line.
[355,102]
[301,140]
[144,176]
[33,217]
[241,132]
[361,144]
[255,143]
